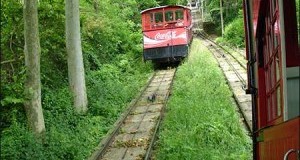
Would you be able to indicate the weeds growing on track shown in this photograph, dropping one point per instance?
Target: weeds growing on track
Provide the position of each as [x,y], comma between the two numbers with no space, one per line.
[201,121]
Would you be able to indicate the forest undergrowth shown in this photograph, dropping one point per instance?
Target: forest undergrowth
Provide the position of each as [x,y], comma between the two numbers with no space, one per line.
[114,72]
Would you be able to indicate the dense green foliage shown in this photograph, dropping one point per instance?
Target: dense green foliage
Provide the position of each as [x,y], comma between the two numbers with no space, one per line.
[112,58]
[230,9]
[170,2]
[234,33]
[201,121]
[233,21]
[111,42]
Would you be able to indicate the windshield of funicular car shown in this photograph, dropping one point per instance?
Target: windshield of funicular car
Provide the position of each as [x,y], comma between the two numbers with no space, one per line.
[179,14]
[158,17]
[166,16]
[169,16]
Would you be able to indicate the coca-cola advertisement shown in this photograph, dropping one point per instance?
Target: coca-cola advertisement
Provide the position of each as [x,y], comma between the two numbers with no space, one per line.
[163,38]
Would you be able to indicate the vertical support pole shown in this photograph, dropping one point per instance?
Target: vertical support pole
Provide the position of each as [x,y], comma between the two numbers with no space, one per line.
[221,13]
[251,72]
[202,9]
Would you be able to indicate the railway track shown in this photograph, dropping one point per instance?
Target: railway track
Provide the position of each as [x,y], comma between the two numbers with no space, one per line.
[134,133]
[235,72]
[236,55]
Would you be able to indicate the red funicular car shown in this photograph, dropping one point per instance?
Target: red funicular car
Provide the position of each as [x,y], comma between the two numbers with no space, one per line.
[167,32]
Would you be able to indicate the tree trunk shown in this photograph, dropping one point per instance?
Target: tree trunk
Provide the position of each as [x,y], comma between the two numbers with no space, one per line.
[221,13]
[32,102]
[75,60]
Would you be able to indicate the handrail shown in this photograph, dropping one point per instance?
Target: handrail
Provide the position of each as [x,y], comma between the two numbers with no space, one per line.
[291,151]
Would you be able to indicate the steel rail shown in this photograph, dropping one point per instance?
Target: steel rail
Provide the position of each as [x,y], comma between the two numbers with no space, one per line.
[104,144]
[242,80]
[107,142]
[230,64]
[246,121]
[155,134]
[204,36]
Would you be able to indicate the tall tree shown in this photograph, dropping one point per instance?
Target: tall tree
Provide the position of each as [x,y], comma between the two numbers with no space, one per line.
[75,60]
[32,102]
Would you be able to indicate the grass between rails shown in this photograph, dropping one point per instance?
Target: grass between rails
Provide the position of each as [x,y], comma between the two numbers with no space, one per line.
[201,121]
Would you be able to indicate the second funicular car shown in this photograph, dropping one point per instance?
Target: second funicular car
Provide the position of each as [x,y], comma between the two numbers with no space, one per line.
[167,33]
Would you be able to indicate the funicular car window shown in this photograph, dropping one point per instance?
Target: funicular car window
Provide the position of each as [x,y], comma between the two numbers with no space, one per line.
[272,64]
[158,17]
[179,15]
[169,16]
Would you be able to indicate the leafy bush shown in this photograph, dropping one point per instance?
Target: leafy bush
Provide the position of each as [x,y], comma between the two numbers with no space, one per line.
[112,58]
[234,33]
[201,121]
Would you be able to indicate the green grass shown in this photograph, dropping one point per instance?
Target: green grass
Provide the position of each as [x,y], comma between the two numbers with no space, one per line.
[201,121]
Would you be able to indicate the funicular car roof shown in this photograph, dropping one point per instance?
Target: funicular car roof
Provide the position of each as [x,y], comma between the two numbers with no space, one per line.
[167,6]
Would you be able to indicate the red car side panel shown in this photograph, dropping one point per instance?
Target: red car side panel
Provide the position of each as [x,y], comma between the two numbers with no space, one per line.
[163,38]
[279,140]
